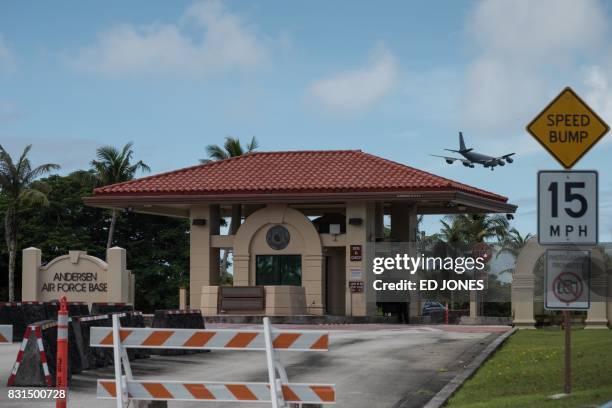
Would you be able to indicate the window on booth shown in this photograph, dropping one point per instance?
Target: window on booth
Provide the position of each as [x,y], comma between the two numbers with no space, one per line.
[278,270]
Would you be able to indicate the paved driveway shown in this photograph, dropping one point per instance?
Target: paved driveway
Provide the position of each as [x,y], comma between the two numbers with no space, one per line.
[373,366]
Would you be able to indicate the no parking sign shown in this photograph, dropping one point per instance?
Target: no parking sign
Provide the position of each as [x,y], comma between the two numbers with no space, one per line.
[568,274]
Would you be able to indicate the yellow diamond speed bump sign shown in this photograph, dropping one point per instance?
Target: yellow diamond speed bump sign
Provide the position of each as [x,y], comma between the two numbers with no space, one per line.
[567,128]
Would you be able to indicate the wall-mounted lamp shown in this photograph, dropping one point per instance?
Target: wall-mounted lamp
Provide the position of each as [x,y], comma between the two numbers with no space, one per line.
[355,221]
[198,221]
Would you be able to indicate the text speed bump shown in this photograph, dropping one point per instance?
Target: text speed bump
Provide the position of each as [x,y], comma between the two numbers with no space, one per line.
[567,128]
[568,274]
[567,207]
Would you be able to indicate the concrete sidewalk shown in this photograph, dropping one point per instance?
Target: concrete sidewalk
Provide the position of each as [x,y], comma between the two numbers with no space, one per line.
[373,366]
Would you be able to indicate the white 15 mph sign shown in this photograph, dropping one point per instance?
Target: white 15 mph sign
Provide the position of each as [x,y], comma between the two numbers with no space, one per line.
[567,207]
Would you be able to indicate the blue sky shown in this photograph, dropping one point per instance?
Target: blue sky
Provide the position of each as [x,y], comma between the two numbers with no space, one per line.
[398,81]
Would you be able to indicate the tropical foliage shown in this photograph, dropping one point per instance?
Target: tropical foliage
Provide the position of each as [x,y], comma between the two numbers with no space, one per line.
[19,191]
[157,247]
[113,166]
[231,148]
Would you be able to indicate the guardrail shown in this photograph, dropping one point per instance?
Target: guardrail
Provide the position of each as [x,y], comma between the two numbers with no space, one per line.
[278,391]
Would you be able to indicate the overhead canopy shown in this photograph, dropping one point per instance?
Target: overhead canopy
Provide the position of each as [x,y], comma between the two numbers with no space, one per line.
[324,176]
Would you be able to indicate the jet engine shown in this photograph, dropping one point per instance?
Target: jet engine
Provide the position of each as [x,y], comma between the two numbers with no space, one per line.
[449,161]
[509,159]
[501,163]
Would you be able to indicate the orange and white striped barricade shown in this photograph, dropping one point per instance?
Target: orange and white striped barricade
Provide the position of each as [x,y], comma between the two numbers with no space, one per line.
[6,333]
[278,390]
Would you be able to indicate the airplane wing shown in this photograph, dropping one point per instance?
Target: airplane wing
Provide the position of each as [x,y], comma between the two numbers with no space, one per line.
[506,157]
[450,160]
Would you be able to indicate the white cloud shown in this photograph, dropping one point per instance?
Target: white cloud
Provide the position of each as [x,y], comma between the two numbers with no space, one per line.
[537,29]
[208,38]
[599,92]
[356,90]
[525,49]
[7,62]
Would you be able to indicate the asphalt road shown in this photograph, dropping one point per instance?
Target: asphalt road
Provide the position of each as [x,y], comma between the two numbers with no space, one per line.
[373,366]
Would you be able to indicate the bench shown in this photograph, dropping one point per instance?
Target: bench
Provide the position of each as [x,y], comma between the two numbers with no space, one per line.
[241,298]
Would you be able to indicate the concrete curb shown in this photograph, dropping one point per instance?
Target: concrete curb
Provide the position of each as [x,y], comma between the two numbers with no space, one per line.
[449,389]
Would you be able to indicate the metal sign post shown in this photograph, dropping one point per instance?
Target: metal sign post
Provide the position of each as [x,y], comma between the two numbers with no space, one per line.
[568,273]
[568,352]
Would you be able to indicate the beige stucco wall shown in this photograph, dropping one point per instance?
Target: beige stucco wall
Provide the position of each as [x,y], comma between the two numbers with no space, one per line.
[337,281]
[203,259]
[250,241]
[525,302]
[364,303]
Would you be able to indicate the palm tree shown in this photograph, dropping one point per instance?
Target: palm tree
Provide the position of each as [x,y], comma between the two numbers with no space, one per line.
[475,228]
[18,186]
[512,244]
[231,148]
[114,166]
[481,227]
[453,233]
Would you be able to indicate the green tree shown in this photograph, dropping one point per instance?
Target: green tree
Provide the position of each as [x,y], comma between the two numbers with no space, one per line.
[480,227]
[512,244]
[113,166]
[231,148]
[19,188]
[452,232]
[157,247]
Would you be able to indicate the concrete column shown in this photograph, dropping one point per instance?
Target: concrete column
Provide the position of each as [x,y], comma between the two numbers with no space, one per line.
[597,315]
[132,296]
[30,266]
[473,305]
[400,222]
[203,260]
[522,301]
[313,282]
[379,220]
[404,229]
[182,298]
[236,218]
[360,304]
[118,279]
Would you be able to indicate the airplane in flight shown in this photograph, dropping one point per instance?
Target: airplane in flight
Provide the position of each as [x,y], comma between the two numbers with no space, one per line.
[471,157]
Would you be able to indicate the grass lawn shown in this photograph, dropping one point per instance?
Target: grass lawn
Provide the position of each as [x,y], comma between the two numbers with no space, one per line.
[529,367]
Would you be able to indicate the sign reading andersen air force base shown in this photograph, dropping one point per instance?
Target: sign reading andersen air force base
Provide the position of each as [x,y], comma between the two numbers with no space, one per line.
[567,207]
[567,128]
[567,280]
[78,276]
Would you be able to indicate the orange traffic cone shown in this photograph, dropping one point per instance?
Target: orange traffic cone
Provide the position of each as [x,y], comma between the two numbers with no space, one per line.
[62,354]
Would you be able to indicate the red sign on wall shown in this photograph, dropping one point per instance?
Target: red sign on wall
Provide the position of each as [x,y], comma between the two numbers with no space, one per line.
[356,286]
[356,253]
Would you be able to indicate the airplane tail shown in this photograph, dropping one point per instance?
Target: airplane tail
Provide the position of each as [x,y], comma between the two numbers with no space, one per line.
[461,143]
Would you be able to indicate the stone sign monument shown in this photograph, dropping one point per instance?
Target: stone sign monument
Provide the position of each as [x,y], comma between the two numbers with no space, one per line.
[78,276]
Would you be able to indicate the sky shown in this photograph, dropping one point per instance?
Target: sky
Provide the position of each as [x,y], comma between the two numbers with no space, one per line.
[398,80]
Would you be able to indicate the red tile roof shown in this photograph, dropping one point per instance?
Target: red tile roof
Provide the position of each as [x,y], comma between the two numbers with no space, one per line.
[322,171]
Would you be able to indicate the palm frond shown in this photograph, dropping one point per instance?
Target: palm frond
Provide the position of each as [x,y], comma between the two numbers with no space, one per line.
[252,145]
[216,152]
